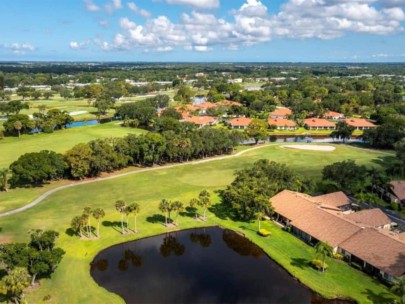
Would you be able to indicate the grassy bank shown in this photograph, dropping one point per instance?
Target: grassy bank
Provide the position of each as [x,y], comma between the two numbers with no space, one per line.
[72,283]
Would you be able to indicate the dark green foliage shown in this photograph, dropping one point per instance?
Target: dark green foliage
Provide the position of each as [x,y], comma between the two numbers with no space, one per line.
[343,131]
[142,111]
[26,123]
[171,112]
[263,179]
[385,135]
[36,168]
[347,175]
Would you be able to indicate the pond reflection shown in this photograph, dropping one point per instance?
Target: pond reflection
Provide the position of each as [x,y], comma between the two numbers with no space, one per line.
[196,266]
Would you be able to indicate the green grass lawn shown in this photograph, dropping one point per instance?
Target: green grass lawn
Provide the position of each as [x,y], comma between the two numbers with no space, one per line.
[72,282]
[59,141]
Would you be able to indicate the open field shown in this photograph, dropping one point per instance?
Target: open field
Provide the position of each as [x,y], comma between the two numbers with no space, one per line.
[72,282]
[59,141]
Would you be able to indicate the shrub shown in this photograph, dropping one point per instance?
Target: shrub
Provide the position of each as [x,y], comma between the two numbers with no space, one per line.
[273,138]
[47,298]
[394,206]
[264,232]
[338,256]
[317,264]
[287,228]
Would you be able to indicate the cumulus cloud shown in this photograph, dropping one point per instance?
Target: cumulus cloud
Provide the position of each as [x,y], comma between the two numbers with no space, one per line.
[252,24]
[20,48]
[90,6]
[141,12]
[196,3]
[75,45]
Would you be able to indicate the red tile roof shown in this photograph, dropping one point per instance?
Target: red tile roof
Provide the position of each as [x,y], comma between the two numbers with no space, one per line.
[281,122]
[333,114]
[334,200]
[229,103]
[359,122]
[201,120]
[318,122]
[281,112]
[240,122]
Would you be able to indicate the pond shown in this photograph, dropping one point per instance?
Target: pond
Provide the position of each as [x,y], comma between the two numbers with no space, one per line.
[209,265]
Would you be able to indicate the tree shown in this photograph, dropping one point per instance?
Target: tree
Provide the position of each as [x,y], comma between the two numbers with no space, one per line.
[43,239]
[325,250]
[18,126]
[177,206]
[184,94]
[257,129]
[4,179]
[103,103]
[399,289]
[262,207]
[10,126]
[193,205]
[135,209]
[343,131]
[120,206]
[78,160]
[87,216]
[204,201]
[76,225]
[98,214]
[164,207]
[13,284]
[37,167]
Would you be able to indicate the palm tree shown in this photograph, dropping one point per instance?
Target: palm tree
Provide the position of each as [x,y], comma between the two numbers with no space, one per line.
[75,224]
[204,201]
[3,179]
[120,207]
[87,212]
[98,214]
[14,283]
[399,289]
[262,206]
[178,207]
[127,211]
[134,208]
[193,204]
[325,250]
[164,207]
[18,126]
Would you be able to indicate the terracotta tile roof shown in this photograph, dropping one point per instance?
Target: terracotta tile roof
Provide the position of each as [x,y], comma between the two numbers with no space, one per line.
[398,187]
[205,105]
[377,249]
[335,199]
[281,112]
[281,122]
[229,103]
[359,122]
[201,120]
[318,122]
[370,217]
[307,216]
[240,121]
[333,114]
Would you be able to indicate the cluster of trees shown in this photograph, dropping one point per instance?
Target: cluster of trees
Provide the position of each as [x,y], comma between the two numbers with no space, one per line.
[81,225]
[124,209]
[107,155]
[167,207]
[53,120]
[248,195]
[25,263]
[12,107]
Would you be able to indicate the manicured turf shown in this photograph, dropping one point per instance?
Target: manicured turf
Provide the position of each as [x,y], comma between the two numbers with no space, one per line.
[72,282]
[59,141]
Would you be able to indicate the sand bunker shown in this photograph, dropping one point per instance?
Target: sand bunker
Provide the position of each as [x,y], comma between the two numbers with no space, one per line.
[310,147]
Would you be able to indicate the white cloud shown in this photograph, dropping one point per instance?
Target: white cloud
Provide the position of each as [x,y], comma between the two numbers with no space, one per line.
[75,45]
[20,48]
[196,3]
[133,7]
[112,6]
[252,24]
[90,6]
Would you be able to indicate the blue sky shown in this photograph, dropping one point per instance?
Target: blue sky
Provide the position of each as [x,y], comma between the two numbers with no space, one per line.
[203,30]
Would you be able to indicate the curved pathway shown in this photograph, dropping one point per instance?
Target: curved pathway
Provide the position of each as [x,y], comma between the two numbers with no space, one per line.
[99,179]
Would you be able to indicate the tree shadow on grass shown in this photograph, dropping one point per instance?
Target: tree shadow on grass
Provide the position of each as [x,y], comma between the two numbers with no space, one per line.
[71,232]
[300,263]
[243,227]
[222,211]
[189,212]
[115,225]
[383,297]
[156,218]
[384,161]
